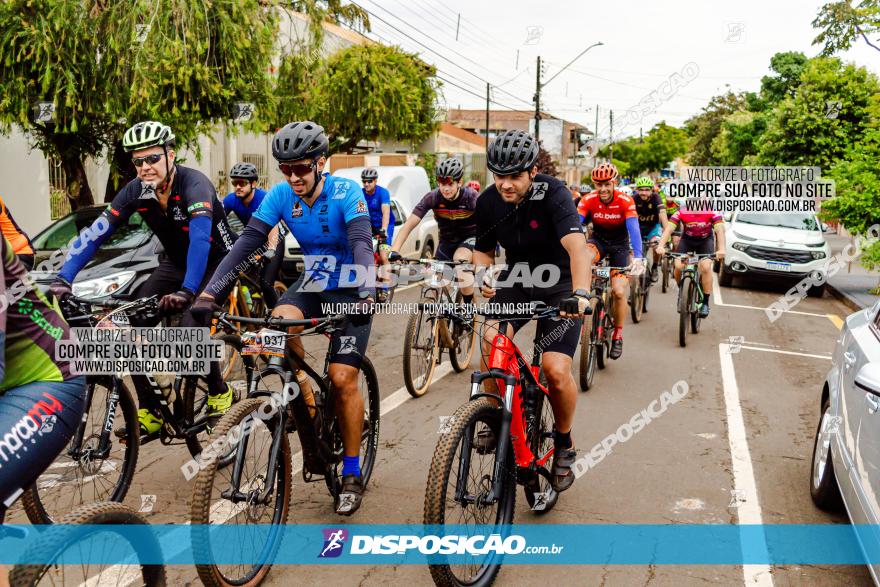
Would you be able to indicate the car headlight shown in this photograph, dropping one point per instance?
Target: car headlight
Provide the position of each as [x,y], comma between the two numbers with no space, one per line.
[102,286]
[740,247]
[818,254]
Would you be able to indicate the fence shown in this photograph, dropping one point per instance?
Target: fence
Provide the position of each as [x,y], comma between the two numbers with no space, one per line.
[59,203]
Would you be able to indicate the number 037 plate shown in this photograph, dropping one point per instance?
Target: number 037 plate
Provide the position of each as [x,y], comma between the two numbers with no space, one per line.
[265,342]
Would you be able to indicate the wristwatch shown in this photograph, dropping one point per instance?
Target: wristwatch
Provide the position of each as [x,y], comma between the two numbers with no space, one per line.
[581,292]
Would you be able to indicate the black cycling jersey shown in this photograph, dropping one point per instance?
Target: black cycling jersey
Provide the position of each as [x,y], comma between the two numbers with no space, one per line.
[530,231]
[192,195]
[455,218]
[649,211]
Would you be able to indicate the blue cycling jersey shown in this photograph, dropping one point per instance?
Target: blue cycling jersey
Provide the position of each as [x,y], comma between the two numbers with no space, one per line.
[231,203]
[320,229]
[374,204]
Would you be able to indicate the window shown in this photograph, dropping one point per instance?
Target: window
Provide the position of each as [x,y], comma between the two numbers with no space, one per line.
[399,216]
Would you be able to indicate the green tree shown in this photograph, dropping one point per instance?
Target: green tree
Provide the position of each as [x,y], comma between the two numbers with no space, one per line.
[363,92]
[663,144]
[788,67]
[545,162]
[704,127]
[105,65]
[809,128]
[842,24]
[739,140]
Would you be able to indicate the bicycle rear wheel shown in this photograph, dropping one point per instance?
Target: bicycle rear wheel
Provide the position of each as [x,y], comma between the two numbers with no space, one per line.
[420,349]
[82,535]
[89,476]
[252,436]
[666,272]
[635,300]
[604,338]
[539,492]
[459,480]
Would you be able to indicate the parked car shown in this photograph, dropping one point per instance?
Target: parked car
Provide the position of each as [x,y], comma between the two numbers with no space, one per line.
[120,265]
[786,247]
[846,451]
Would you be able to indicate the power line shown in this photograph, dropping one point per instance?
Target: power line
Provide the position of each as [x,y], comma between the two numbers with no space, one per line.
[432,50]
[485,38]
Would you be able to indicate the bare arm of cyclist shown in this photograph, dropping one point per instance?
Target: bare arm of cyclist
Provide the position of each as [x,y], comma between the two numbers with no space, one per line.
[405,231]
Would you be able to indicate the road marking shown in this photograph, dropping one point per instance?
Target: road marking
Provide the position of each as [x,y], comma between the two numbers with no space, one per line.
[754,348]
[719,301]
[115,574]
[836,320]
[749,511]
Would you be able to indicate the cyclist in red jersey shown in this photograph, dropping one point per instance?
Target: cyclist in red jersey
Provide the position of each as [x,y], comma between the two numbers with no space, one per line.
[699,231]
[615,235]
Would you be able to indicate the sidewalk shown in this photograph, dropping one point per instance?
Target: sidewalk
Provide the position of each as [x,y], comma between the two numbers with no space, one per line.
[851,284]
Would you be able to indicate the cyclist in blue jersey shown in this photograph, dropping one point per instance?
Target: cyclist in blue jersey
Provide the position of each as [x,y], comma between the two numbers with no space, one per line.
[381,218]
[329,218]
[181,207]
[243,201]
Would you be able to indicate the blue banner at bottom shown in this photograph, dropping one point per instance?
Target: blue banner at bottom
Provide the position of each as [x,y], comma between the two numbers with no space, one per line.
[531,544]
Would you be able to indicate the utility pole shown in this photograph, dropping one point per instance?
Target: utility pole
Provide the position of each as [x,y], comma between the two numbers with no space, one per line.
[538,100]
[611,135]
[457,25]
[596,138]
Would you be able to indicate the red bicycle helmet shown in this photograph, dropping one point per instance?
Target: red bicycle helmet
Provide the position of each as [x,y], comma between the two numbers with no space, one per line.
[474,185]
[604,172]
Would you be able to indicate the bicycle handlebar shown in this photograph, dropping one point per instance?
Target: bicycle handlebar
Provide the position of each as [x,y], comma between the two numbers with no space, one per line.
[228,319]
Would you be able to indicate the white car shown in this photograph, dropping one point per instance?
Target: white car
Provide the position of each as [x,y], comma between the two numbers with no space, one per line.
[788,246]
[846,452]
[406,185]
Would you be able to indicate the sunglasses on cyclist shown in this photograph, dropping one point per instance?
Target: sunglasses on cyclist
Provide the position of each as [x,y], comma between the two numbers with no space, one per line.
[239,183]
[445,180]
[149,159]
[299,169]
[368,181]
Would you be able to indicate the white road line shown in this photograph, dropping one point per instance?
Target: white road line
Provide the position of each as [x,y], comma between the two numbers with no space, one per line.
[749,509]
[719,301]
[753,348]
[114,574]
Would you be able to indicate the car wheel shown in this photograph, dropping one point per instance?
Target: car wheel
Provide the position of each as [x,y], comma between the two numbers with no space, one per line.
[725,276]
[823,484]
[816,291]
[427,250]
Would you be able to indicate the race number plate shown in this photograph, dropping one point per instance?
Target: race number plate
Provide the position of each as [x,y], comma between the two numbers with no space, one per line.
[603,272]
[265,342]
[120,319]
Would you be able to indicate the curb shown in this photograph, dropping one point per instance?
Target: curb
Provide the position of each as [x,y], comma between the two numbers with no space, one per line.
[847,300]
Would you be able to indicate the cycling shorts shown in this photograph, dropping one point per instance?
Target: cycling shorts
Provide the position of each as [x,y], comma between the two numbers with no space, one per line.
[617,252]
[557,335]
[348,345]
[37,420]
[446,250]
[655,232]
[701,246]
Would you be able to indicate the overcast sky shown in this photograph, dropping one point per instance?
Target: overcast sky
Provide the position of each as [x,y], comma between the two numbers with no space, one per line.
[644,43]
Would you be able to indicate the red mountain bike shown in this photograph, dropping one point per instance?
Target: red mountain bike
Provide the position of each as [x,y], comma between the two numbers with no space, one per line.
[473,482]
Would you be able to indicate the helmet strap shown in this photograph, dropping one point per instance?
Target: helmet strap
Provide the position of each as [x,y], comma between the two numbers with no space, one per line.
[318,179]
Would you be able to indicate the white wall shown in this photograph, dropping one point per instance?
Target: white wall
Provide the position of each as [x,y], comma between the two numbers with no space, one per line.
[25,189]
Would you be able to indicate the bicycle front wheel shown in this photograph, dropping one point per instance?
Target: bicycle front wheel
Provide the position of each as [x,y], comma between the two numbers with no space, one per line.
[96,468]
[463,334]
[459,482]
[420,349]
[685,307]
[539,491]
[589,349]
[248,501]
[635,300]
[81,536]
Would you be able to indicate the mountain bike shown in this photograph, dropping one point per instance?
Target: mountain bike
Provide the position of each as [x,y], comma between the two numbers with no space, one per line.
[99,464]
[690,294]
[83,536]
[430,329]
[256,488]
[640,287]
[473,485]
[596,333]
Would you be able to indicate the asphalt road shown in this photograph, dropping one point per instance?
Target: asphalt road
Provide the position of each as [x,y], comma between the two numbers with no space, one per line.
[735,449]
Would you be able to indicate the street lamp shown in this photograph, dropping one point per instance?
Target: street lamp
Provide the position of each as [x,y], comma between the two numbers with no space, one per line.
[539,86]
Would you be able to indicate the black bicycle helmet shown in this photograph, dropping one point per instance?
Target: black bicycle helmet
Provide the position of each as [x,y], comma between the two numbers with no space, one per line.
[246,171]
[512,152]
[369,173]
[300,140]
[451,167]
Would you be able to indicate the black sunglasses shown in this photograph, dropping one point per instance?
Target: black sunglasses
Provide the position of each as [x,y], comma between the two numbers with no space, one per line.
[299,169]
[240,182]
[150,159]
